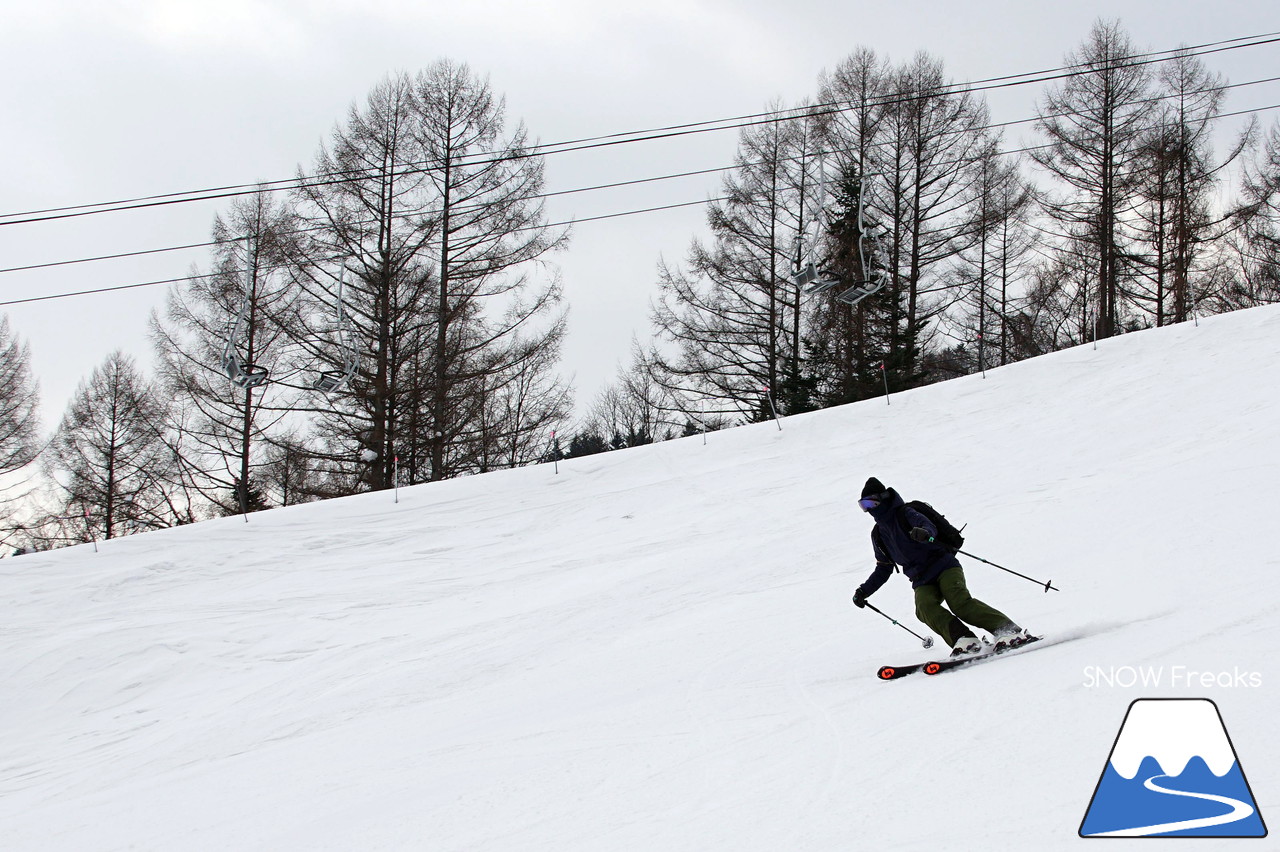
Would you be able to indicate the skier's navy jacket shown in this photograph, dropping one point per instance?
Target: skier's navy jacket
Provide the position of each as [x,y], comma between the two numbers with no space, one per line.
[922,562]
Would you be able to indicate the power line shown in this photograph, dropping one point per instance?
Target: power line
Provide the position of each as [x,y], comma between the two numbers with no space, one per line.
[774,117]
[672,131]
[184,280]
[210,243]
[191,278]
[653,179]
[602,217]
[101,257]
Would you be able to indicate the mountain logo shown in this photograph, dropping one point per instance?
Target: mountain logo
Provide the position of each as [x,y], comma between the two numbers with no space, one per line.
[1173,772]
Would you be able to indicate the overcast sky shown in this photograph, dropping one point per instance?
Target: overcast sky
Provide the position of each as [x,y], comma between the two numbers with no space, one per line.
[106,101]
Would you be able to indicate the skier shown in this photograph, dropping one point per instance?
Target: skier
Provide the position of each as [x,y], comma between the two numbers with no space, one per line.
[905,537]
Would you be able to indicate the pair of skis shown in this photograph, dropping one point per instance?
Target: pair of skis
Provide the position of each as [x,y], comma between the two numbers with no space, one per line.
[934,667]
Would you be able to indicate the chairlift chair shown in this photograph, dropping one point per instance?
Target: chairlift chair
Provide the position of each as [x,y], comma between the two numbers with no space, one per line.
[814,281]
[247,375]
[858,292]
[873,277]
[806,274]
[241,373]
[804,271]
[331,380]
[873,281]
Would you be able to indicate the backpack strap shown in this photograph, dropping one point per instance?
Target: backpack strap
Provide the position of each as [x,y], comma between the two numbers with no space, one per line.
[902,518]
[877,542]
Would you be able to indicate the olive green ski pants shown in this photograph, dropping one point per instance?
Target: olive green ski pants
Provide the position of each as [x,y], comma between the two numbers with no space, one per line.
[964,608]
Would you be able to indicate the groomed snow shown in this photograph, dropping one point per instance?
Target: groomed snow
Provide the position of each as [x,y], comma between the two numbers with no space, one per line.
[654,649]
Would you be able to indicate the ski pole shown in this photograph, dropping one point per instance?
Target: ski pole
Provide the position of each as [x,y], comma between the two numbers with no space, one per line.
[927,640]
[1048,584]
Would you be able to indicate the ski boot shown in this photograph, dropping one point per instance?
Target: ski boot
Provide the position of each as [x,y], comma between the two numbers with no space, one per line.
[967,646]
[1013,637]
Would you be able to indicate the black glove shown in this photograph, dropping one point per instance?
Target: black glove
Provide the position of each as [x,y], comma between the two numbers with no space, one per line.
[859,599]
[921,535]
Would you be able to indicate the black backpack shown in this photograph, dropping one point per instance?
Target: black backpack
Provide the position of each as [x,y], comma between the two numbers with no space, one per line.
[948,536]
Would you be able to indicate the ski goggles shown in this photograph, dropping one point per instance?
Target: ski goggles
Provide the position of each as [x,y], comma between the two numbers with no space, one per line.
[869,503]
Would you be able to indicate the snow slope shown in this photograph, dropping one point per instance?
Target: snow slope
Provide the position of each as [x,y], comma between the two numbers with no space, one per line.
[654,649]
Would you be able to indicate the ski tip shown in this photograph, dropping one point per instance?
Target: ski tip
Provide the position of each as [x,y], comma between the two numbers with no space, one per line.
[887,673]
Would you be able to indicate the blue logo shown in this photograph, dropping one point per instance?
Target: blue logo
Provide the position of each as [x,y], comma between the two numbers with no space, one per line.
[1173,772]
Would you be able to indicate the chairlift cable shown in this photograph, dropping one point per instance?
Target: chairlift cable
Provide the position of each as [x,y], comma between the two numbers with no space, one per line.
[574,221]
[641,181]
[628,137]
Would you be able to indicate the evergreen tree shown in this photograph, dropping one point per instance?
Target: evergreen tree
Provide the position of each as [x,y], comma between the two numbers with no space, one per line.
[587,443]
[855,349]
[845,345]
[850,345]
[911,150]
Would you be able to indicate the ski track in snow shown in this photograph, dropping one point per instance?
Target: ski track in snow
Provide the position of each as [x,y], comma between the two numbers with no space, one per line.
[1239,810]
[656,648]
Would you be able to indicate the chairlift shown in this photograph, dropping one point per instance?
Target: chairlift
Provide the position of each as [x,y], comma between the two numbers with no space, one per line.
[247,375]
[241,373]
[858,292]
[869,285]
[331,380]
[804,271]
[873,271]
